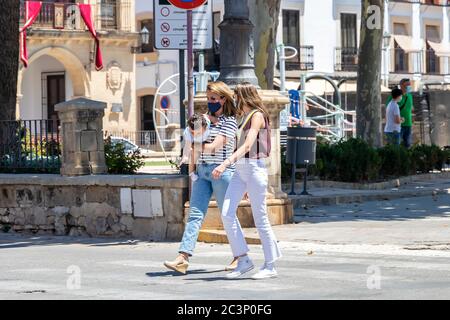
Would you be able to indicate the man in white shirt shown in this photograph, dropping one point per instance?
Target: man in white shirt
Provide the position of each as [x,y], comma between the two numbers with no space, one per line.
[393,118]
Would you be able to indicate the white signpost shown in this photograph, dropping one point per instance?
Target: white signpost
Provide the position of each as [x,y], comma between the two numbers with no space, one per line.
[170,25]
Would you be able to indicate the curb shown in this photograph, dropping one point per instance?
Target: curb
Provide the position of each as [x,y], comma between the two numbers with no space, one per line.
[220,236]
[300,201]
[394,183]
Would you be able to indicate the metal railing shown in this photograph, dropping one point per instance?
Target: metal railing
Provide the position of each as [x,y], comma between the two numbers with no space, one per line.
[432,62]
[411,62]
[30,146]
[143,139]
[334,123]
[304,60]
[346,59]
[67,16]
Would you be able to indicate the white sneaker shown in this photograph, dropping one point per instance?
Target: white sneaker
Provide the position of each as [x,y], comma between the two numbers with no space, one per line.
[245,264]
[266,272]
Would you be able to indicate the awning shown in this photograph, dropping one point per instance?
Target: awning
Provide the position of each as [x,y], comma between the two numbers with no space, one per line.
[406,43]
[440,49]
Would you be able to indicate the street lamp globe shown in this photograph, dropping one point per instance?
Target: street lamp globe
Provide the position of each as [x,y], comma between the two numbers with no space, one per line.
[145,35]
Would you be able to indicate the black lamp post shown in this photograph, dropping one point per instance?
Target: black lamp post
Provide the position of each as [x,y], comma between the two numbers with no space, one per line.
[237,50]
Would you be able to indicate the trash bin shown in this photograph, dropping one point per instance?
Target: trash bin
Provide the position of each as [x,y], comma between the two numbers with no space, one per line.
[301,145]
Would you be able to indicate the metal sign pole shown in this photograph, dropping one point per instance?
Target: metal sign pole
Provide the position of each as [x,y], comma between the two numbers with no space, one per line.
[190,53]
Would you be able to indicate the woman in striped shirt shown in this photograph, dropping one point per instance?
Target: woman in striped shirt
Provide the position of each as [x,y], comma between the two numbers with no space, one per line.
[219,146]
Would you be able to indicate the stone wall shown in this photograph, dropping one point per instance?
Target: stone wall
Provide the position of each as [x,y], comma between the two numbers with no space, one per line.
[145,207]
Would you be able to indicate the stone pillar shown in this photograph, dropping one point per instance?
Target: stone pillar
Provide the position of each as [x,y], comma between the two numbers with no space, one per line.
[82,137]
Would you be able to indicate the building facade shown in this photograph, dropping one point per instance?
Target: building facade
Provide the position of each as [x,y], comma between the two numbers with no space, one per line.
[326,35]
[62,61]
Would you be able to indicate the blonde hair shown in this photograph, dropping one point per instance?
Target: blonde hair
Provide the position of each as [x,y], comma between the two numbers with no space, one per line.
[222,90]
[248,95]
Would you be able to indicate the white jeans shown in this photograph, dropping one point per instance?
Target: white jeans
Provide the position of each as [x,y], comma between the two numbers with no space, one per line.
[250,176]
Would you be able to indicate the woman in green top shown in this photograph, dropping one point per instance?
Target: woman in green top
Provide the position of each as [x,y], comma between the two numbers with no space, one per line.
[406,109]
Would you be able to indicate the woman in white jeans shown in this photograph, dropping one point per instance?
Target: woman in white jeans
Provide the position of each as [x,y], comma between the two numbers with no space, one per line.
[251,176]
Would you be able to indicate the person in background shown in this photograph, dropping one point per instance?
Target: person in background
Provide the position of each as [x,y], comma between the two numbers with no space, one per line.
[406,106]
[393,118]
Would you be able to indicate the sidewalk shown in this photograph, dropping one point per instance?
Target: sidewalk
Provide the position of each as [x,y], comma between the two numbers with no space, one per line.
[329,203]
[335,195]
[409,225]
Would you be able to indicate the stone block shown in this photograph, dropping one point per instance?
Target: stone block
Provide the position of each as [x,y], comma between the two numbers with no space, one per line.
[173,202]
[61,228]
[35,216]
[89,141]
[97,158]
[99,210]
[174,231]
[126,200]
[94,125]
[150,229]
[28,196]
[96,194]
[64,196]
[127,221]
[8,197]
[112,220]
[113,197]
[59,211]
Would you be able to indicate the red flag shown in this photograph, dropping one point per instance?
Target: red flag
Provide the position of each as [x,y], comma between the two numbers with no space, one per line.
[85,10]
[32,9]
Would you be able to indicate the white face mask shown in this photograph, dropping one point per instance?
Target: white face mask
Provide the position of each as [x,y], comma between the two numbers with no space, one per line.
[203,137]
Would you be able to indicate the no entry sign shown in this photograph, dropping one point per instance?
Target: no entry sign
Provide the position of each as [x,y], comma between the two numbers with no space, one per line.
[165,103]
[187,4]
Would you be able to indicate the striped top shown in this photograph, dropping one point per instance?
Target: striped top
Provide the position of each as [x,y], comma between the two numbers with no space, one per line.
[226,126]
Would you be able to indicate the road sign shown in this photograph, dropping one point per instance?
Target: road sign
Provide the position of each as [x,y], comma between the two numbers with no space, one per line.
[187,4]
[171,26]
[165,103]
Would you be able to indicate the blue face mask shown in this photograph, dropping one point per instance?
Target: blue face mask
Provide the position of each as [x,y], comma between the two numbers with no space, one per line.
[214,107]
[408,89]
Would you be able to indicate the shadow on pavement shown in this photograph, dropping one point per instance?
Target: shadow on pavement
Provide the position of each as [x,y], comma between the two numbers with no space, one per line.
[176,274]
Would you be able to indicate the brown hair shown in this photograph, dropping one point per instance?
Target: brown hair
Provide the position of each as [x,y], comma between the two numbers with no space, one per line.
[197,119]
[247,94]
[222,90]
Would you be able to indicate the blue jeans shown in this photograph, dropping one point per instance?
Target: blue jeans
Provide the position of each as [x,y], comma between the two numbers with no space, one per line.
[406,135]
[393,138]
[202,190]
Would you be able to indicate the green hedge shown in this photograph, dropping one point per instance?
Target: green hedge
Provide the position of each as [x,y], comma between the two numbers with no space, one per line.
[355,161]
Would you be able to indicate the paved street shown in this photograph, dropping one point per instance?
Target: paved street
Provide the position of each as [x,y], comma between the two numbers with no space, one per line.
[332,253]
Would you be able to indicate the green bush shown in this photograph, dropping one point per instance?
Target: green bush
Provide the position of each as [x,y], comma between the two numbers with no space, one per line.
[427,158]
[395,161]
[118,161]
[355,161]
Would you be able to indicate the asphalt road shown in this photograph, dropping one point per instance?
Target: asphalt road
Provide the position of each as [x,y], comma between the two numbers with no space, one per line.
[394,254]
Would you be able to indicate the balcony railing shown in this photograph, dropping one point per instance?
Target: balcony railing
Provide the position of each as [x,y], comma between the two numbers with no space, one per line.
[304,59]
[346,59]
[423,62]
[411,62]
[441,3]
[66,16]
